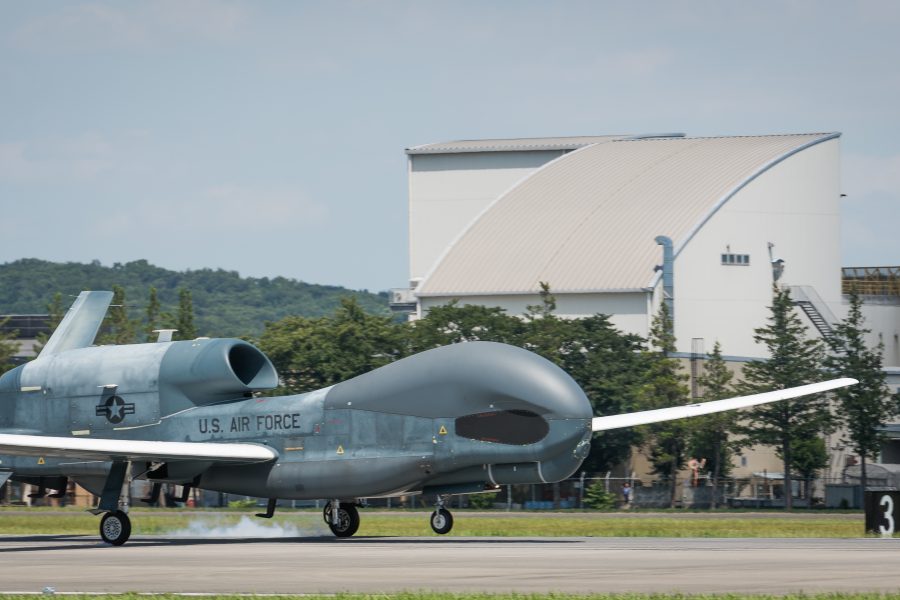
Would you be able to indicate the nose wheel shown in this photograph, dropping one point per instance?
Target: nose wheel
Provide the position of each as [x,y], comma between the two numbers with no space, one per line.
[441,521]
[115,528]
[341,518]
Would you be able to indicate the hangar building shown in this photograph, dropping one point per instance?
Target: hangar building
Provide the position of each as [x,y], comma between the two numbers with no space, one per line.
[489,220]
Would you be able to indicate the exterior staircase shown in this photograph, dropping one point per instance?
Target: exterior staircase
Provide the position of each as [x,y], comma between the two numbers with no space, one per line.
[806,298]
[816,317]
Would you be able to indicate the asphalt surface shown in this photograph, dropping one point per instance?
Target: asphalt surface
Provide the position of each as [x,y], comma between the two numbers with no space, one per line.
[328,565]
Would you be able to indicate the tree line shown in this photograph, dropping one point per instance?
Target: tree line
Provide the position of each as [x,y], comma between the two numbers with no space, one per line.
[226,303]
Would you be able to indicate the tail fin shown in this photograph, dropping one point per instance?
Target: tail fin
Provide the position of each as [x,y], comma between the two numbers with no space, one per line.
[80,325]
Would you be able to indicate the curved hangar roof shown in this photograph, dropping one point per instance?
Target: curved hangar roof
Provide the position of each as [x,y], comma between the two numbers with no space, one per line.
[586,221]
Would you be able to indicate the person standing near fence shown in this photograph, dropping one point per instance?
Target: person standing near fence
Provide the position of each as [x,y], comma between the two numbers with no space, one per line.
[626,494]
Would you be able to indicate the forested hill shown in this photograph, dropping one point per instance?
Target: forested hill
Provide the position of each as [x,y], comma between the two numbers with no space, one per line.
[225,304]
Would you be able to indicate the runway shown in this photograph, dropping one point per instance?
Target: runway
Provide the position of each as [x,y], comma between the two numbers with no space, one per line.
[329,565]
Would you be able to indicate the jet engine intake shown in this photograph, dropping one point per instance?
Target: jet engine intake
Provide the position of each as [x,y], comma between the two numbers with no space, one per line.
[211,370]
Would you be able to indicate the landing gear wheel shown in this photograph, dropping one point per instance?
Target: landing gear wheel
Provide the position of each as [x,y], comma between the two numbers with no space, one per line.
[347,521]
[115,528]
[441,521]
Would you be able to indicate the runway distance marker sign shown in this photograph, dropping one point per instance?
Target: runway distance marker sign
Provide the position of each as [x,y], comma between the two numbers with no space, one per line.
[882,512]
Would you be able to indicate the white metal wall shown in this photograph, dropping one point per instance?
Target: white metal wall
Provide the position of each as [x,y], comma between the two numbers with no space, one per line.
[884,321]
[627,311]
[793,205]
[448,191]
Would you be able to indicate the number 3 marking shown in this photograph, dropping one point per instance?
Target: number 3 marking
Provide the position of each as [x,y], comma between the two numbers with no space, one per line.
[888,503]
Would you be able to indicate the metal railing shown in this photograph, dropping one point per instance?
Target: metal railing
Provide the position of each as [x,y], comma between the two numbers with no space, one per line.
[871,281]
[809,301]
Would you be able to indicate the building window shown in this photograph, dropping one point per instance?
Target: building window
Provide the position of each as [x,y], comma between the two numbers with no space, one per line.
[742,260]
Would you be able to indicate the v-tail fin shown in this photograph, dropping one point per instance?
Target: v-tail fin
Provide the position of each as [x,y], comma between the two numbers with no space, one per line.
[80,325]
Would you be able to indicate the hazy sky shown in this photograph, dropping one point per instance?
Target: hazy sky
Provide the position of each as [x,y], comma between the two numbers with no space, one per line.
[268,137]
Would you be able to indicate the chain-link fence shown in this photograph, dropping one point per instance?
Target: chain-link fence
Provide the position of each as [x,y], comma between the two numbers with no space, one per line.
[758,492]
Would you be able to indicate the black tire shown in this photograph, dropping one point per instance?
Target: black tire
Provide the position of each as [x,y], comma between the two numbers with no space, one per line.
[115,528]
[441,521]
[348,521]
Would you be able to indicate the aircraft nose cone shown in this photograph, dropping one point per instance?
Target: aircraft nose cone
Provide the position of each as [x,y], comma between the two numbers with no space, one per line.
[464,379]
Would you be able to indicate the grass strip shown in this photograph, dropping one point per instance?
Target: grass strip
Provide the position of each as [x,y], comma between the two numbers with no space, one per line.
[299,524]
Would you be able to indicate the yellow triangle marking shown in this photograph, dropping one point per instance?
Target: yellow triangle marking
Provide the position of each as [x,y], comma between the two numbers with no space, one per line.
[41,460]
[443,431]
[340,450]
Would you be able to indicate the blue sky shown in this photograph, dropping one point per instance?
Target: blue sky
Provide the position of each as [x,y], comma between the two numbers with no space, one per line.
[268,137]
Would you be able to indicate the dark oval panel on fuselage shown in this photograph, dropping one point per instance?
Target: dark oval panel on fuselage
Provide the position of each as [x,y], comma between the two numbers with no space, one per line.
[514,427]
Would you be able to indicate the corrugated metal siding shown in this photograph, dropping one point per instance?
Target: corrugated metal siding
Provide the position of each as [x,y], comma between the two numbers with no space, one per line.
[522,144]
[587,222]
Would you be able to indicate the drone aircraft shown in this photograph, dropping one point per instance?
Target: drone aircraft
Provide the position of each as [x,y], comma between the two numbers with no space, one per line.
[458,419]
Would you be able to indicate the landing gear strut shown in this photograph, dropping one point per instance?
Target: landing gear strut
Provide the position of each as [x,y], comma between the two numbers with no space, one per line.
[115,526]
[441,519]
[341,518]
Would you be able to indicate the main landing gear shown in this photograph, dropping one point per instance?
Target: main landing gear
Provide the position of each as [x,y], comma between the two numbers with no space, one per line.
[115,527]
[441,519]
[341,517]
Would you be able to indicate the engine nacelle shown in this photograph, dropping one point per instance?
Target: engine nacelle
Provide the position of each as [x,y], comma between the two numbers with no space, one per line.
[182,373]
[208,370]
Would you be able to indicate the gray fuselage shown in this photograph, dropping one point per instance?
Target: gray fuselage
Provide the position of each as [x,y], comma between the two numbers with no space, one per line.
[455,419]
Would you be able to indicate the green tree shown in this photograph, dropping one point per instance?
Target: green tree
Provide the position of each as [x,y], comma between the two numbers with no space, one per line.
[152,316]
[56,311]
[793,360]
[544,332]
[452,323]
[8,346]
[810,457]
[314,353]
[609,366]
[117,328]
[712,436]
[664,386]
[184,321]
[596,497]
[866,407]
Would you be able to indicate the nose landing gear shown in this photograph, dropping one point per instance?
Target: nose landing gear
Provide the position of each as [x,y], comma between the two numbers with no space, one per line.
[441,519]
[341,518]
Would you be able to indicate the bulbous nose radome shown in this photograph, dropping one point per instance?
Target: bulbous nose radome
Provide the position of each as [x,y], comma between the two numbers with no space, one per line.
[463,379]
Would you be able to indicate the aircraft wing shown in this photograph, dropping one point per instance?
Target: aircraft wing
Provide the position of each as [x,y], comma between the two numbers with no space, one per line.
[120,450]
[706,408]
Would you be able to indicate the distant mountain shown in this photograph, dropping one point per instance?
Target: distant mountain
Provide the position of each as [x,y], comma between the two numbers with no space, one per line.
[225,304]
